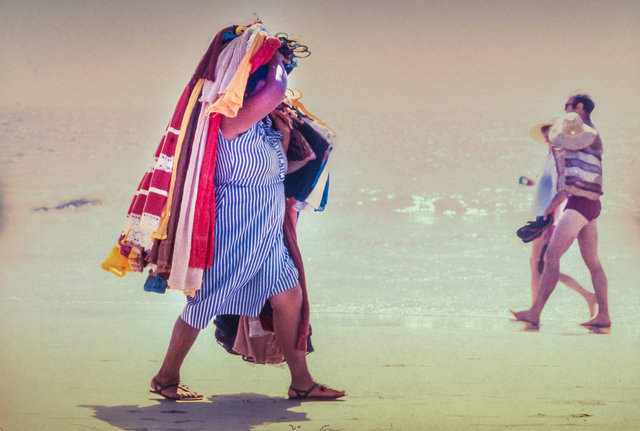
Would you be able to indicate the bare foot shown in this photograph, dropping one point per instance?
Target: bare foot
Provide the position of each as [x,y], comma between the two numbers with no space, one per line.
[592,302]
[526,316]
[174,391]
[316,392]
[598,322]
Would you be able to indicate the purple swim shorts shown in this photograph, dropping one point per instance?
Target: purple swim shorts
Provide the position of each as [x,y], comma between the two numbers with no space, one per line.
[590,209]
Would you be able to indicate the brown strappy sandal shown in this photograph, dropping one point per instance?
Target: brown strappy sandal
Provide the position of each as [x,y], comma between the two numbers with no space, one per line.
[303,394]
[189,394]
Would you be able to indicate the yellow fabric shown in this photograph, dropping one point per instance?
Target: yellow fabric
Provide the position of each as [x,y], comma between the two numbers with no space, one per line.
[161,233]
[230,102]
[135,260]
[116,263]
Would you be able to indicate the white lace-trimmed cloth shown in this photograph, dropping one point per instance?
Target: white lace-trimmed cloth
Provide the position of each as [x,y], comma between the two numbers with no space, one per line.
[148,216]
[146,207]
[145,211]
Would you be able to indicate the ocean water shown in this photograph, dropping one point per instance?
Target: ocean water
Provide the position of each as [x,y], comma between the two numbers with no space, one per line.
[421,218]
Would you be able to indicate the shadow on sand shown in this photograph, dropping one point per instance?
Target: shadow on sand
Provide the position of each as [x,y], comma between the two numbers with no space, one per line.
[238,412]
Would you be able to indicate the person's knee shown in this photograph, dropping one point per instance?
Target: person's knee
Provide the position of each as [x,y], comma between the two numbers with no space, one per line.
[593,264]
[552,259]
[288,298]
[590,258]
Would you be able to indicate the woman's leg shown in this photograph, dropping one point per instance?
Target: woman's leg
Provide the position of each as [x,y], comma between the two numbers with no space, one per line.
[286,318]
[166,381]
[573,284]
[536,249]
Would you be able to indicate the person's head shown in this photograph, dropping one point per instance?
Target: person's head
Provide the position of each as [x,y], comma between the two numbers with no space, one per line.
[290,49]
[545,132]
[581,104]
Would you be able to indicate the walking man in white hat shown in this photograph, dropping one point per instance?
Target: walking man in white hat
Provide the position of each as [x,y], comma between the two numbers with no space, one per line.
[578,151]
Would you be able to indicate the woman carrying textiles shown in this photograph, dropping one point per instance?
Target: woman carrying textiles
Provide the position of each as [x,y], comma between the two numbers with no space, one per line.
[219,236]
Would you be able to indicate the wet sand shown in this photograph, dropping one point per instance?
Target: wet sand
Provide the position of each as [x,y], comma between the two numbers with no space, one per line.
[69,367]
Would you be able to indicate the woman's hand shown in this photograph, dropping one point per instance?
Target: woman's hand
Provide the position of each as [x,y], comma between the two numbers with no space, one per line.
[280,123]
[525,181]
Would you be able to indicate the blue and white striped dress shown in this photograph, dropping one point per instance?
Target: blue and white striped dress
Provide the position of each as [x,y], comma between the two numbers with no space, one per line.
[250,262]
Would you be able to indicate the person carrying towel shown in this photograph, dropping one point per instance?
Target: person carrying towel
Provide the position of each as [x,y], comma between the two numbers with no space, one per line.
[578,150]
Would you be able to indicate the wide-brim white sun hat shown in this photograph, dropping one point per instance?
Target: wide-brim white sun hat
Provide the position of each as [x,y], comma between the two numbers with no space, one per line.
[536,132]
[571,133]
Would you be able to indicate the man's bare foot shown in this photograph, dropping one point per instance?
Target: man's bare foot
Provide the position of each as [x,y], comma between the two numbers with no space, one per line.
[174,391]
[598,322]
[315,392]
[526,316]
[592,302]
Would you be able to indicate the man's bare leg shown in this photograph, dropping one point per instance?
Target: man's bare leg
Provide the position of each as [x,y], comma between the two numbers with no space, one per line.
[286,318]
[588,241]
[537,248]
[182,338]
[563,236]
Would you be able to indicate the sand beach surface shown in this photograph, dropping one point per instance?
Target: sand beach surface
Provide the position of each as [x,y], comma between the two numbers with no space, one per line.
[414,264]
[411,277]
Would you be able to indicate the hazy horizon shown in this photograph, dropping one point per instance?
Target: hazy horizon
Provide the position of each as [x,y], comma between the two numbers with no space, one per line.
[496,55]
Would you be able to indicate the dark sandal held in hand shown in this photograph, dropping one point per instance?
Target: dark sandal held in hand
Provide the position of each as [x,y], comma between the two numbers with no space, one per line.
[188,394]
[302,394]
[533,229]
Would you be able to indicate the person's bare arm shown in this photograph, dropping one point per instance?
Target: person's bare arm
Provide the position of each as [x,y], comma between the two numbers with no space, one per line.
[260,104]
[281,124]
[526,181]
[560,197]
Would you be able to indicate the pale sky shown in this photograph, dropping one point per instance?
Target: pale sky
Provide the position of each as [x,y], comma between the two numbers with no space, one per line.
[497,54]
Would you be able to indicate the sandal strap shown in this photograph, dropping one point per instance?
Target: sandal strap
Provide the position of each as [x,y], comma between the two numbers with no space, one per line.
[159,387]
[301,393]
[190,394]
